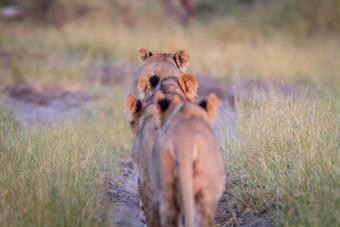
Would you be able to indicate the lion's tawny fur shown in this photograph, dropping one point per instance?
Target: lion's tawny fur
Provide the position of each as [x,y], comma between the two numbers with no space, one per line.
[161,64]
[146,132]
[186,167]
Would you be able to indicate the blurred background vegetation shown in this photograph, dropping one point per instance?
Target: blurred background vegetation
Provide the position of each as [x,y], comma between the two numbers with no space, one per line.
[292,15]
[282,39]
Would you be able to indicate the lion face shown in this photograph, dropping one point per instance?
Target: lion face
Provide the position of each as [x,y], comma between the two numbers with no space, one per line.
[162,65]
[182,88]
[180,58]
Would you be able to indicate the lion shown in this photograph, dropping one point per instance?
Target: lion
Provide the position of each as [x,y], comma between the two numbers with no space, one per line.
[161,64]
[185,86]
[145,126]
[186,167]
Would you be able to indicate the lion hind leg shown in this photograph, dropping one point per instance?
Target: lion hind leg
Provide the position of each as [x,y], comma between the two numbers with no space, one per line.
[169,209]
[206,209]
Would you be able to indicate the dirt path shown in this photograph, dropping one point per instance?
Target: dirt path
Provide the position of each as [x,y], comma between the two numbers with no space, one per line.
[122,193]
[35,103]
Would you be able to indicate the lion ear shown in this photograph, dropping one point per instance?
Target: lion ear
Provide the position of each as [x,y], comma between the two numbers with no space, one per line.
[162,104]
[181,59]
[143,87]
[211,106]
[133,104]
[134,109]
[144,54]
[189,86]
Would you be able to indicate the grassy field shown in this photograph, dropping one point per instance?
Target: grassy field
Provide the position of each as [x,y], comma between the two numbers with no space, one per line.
[288,155]
[286,152]
[53,176]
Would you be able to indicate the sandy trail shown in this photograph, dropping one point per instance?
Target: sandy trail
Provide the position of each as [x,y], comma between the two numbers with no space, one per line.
[46,104]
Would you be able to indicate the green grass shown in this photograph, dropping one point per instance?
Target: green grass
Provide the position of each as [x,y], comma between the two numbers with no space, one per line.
[53,176]
[287,149]
[287,154]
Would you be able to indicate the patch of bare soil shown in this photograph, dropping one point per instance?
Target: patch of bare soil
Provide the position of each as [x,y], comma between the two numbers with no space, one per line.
[11,13]
[245,89]
[108,73]
[122,193]
[31,102]
[6,56]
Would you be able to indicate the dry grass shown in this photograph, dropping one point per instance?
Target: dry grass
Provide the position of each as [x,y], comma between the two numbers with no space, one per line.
[54,175]
[222,50]
[287,152]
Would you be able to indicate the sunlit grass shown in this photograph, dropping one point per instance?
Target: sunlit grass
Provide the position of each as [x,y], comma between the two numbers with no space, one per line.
[54,175]
[287,154]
